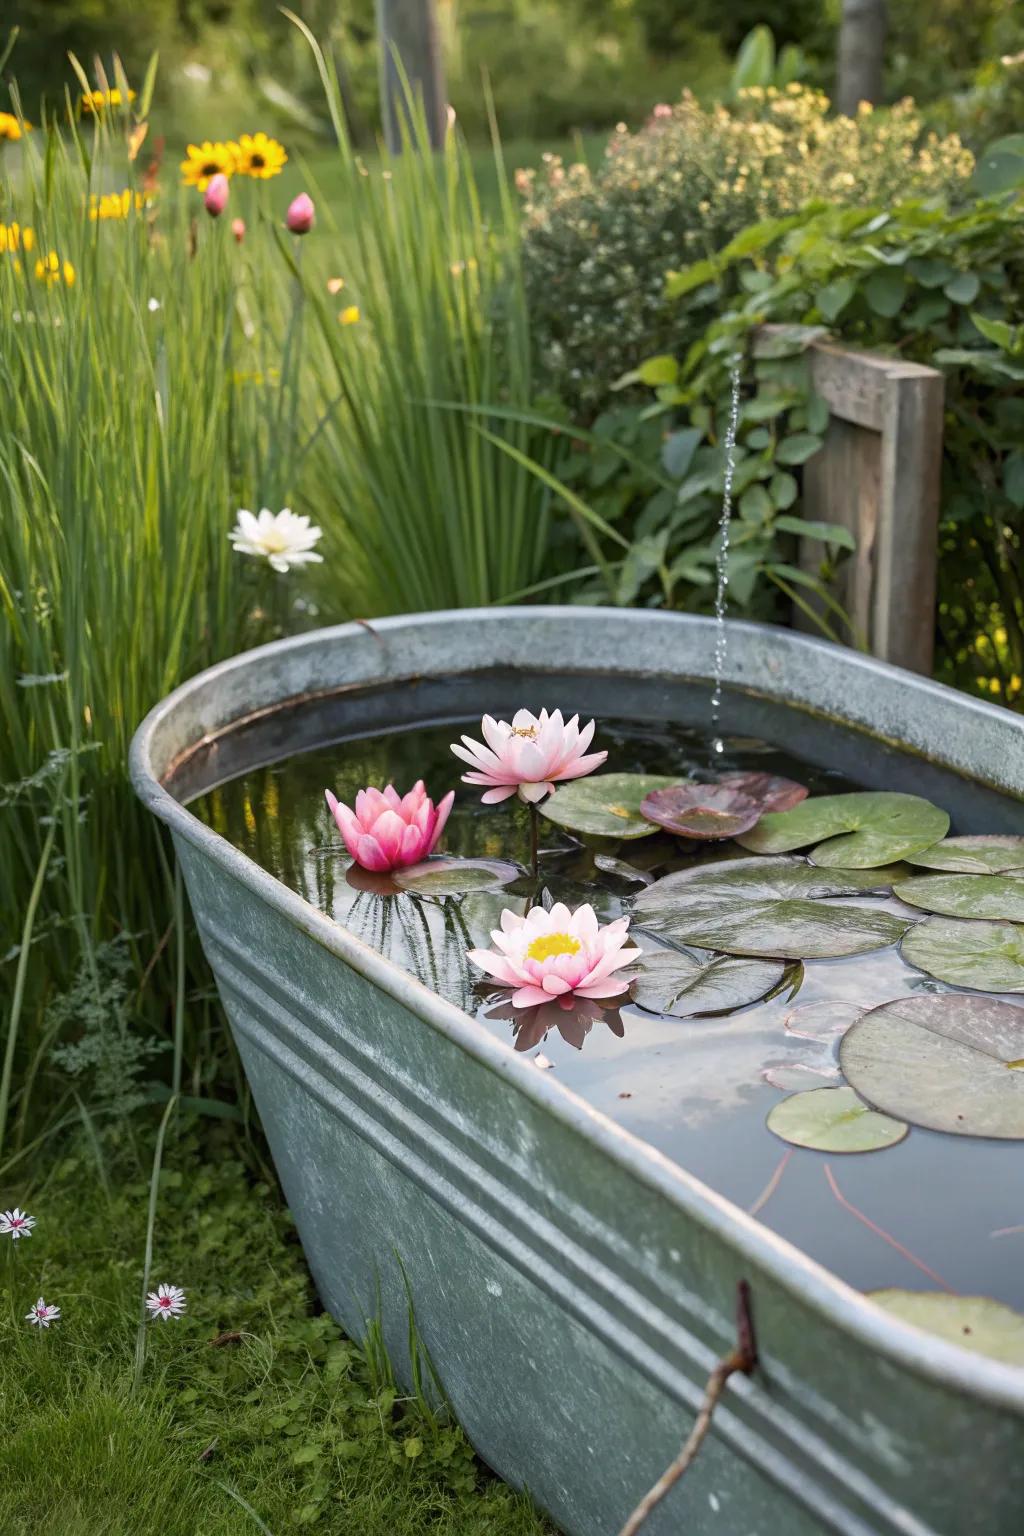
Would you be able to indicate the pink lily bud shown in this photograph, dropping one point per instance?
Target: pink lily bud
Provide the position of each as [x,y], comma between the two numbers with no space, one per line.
[238,229]
[216,199]
[301,214]
[391,831]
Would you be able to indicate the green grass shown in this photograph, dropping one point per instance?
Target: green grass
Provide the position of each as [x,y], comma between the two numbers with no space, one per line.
[290,1426]
[318,169]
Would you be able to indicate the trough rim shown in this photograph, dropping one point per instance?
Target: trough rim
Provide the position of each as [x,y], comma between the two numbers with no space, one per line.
[927,1355]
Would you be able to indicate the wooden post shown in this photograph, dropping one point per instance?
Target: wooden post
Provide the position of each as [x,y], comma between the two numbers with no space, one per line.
[879,475]
[407,30]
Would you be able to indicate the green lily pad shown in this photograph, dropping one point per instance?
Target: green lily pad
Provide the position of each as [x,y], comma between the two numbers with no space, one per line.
[822,1020]
[796,1076]
[988,957]
[973,855]
[682,985]
[605,804]
[858,831]
[975,1322]
[768,907]
[455,877]
[978,896]
[947,1062]
[833,1120]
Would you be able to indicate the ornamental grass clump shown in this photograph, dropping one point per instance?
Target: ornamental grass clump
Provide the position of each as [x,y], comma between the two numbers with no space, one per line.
[419,472]
[597,244]
[152,387]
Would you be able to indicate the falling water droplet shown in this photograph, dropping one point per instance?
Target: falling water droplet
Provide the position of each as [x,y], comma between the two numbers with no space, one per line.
[722,559]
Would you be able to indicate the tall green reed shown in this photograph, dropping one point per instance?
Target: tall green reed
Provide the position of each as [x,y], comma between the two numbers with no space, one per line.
[429,511]
[179,377]
[144,377]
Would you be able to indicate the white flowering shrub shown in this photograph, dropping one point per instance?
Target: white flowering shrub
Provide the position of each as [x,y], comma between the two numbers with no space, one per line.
[597,244]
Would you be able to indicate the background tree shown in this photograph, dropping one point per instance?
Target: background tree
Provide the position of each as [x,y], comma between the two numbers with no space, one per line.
[410,45]
[861,63]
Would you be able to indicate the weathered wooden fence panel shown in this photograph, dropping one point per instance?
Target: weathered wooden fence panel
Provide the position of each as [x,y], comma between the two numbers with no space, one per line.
[878,475]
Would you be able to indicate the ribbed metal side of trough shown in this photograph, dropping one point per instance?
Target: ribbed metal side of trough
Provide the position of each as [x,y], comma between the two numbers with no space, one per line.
[572,1286]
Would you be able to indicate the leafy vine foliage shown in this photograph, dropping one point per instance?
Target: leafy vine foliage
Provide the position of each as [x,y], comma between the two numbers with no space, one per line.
[937,286]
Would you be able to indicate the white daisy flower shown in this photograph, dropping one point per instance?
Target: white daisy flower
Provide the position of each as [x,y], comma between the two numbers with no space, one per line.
[42,1314]
[283,538]
[16,1224]
[166,1301]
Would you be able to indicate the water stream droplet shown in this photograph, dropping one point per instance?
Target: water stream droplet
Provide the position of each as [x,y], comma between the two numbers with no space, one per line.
[722,558]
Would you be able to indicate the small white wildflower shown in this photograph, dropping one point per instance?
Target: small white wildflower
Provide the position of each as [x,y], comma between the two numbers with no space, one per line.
[16,1223]
[153,306]
[284,538]
[166,1301]
[42,1314]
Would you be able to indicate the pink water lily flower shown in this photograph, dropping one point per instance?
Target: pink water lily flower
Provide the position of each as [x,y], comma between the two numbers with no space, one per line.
[529,756]
[557,955]
[388,830]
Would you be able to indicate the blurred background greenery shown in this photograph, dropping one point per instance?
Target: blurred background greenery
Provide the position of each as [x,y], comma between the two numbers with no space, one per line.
[556,67]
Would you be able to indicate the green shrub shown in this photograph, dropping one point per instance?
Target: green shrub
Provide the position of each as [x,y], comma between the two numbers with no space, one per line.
[942,288]
[596,245]
[649,484]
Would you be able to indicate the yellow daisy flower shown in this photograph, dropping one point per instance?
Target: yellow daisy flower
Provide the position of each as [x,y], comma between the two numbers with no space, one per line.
[115,205]
[350,316]
[51,269]
[14,238]
[97,101]
[11,128]
[205,161]
[257,155]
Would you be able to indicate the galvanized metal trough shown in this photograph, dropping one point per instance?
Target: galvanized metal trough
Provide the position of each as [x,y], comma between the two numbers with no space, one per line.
[572,1286]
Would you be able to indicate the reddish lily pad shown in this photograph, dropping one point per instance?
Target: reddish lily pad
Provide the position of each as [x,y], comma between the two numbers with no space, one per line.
[770,790]
[701,811]
[732,805]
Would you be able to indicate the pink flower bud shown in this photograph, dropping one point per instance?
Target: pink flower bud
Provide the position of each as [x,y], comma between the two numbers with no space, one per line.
[301,214]
[216,199]
[238,229]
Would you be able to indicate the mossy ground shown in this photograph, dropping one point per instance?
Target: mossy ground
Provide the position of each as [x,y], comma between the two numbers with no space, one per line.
[286,1424]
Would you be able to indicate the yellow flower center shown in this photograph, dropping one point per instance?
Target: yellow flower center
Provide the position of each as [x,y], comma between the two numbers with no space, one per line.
[552,944]
[525,730]
[273,542]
